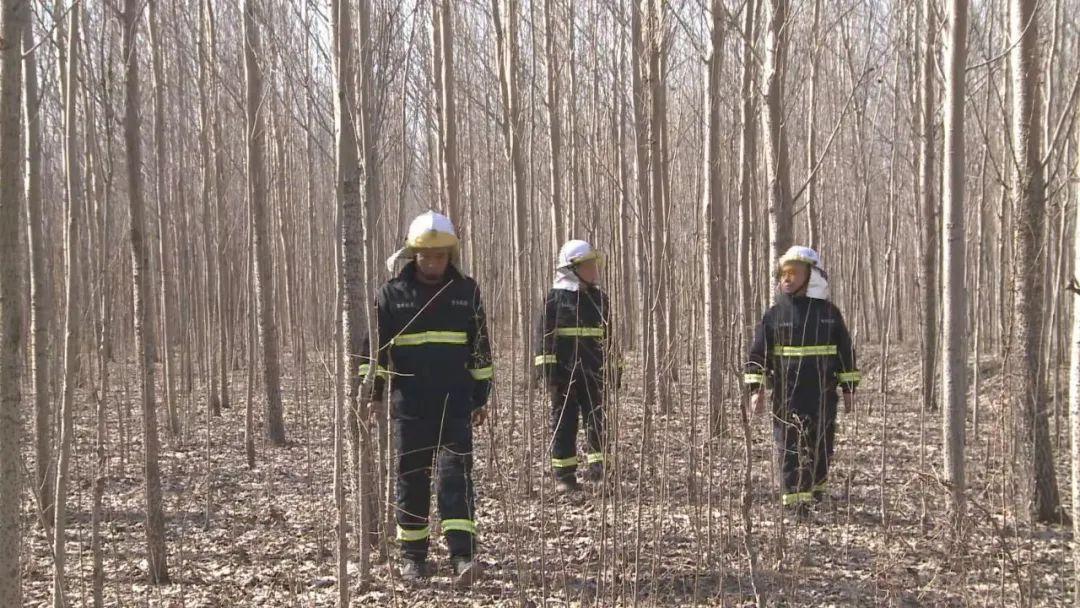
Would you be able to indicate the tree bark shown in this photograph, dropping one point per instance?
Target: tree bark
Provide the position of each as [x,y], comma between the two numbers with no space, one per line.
[73,222]
[1029,190]
[780,202]
[747,162]
[15,19]
[712,206]
[954,354]
[157,572]
[639,70]
[41,309]
[168,297]
[927,181]
[558,223]
[260,203]
[507,44]
[1074,382]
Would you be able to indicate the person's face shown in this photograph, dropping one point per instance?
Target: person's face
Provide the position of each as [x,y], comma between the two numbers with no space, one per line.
[794,277]
[589,271]
[432,263]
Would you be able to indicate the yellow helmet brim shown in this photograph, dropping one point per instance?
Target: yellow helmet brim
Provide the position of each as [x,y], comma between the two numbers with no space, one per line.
[432,239]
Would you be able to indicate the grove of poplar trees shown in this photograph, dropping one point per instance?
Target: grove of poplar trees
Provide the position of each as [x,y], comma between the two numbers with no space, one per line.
[197,199]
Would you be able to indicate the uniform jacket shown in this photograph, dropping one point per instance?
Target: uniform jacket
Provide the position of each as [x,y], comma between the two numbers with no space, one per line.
[803,350]
[433,346]
[571,336]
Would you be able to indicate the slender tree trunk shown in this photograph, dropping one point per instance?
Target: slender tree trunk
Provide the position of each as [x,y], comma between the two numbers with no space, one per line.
[443,66]
[927,182]
[145,338]
[638,69]
[712,208]
[812,211]
[658,303]
[954,354]
[73,222]
[558,223]
[747,162]
[1074,384]
[373,241]
[260,204]
[780,202]
[224,338]
[1029,190]
[40,292]
[507,43]
[15,18]
[168,297]
[350,209]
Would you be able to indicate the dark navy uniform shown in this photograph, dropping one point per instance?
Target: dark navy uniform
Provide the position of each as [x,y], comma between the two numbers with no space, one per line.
[803,350]
[570,357]
[435,355]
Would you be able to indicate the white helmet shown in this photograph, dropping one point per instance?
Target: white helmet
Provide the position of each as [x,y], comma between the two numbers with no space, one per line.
[430,230]
[574,252]
[798,253]
[818,285]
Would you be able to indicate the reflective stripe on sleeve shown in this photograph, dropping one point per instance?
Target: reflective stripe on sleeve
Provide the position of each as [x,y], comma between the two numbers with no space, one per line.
[483,373]
[546,359]
[853,377]
[749,378]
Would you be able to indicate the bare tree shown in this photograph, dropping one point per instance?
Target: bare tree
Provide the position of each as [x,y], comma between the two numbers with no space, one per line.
[14,19]
[442,21]
[554,106]
[712,206]
[660,303]
[1029,191]
[256,108]
[40,292]
[747,161]
[73,223]
[780,202]
[145,338]
[167,295]
[954,293]
[927,182]
[1074,382]
[506,21]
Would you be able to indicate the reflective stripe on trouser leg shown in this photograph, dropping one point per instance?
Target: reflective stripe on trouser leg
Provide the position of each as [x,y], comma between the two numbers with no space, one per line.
[564,427]
[413,535]
[797,498]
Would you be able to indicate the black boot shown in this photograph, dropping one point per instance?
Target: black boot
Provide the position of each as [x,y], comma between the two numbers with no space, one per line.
[414,570]
[595,472]
[466,572]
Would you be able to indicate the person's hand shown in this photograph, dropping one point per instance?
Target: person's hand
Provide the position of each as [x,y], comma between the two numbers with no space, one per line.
[373,408]
[757,401]
[849,402]
[479,415]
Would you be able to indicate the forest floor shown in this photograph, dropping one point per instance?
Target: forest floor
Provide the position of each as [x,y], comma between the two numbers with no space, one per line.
[667,531]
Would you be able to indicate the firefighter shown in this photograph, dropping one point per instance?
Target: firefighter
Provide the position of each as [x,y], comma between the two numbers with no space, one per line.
[803,350]
[434,358]
[569,362]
